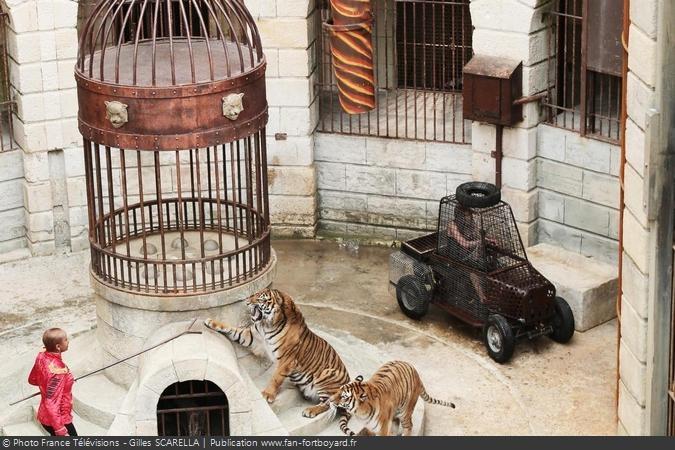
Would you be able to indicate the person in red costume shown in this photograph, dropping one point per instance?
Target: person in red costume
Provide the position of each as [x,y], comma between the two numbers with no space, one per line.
[55,381]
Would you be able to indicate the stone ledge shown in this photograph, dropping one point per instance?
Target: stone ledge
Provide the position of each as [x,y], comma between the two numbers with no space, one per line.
[589,286]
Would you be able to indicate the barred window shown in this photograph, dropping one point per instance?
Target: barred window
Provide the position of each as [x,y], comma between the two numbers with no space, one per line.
[6,104]
[421,47]
[585,67]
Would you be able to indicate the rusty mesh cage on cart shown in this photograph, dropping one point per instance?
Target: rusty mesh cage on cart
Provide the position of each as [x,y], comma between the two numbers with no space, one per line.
[476,263]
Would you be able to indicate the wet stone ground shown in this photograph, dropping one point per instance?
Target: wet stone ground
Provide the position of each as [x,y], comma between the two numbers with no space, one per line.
[547,388]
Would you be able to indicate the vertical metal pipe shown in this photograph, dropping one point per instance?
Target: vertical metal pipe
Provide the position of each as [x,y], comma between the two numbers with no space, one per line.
[622,171]
[498,155]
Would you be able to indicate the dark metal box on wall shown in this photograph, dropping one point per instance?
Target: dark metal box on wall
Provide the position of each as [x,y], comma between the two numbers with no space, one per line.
[491,85]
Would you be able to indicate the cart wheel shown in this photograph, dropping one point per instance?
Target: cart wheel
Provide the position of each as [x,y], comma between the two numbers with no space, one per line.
[563,322]
[413,296]
[475,194]
[498,338]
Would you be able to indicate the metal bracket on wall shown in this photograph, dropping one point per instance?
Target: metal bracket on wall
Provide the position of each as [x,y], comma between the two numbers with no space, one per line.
[652,163]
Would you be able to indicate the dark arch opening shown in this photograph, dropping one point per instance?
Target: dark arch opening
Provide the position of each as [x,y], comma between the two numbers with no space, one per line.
[193,408]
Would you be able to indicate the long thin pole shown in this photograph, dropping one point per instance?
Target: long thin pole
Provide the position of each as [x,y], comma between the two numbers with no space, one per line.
[187,331]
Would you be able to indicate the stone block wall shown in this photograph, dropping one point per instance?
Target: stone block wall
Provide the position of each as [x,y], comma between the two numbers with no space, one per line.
[578,188]
[288,30]
[638,241]
[42,44]
[12,231]
[385,188]
[516,30]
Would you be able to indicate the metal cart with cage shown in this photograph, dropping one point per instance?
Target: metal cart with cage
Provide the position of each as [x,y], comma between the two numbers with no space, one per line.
[475,267]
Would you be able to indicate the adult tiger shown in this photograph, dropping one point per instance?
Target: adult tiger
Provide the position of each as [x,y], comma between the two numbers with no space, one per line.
[389,395]
[304,358]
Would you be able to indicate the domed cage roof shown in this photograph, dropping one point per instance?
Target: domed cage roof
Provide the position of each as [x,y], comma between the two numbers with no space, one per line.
[168,42]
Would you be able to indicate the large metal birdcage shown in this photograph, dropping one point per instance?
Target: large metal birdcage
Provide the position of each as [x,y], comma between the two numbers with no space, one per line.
[172,108]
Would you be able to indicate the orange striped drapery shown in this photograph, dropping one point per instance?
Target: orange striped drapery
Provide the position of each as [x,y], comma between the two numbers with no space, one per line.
[352,51]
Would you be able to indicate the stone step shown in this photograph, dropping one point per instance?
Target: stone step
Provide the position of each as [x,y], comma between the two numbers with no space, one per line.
[29,428]
[289,404]
[83,427]
[589,286]
[97,399]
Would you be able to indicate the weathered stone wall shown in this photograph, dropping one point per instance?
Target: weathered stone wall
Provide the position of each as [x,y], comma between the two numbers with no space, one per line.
[288,31]
[637,229]
[385,188]
[12,231]
[42,43]
[577,180]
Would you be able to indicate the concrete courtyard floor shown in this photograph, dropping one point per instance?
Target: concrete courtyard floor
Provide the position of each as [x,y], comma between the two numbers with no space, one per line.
[546,389]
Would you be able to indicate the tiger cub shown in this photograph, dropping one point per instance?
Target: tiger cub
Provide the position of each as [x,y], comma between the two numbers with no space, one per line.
[304,358]
[389,395]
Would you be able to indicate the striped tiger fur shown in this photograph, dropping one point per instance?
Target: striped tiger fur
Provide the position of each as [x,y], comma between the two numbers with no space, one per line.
[389,396]
[304,358]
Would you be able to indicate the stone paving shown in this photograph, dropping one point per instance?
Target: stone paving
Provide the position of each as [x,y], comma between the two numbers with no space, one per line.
[546,389]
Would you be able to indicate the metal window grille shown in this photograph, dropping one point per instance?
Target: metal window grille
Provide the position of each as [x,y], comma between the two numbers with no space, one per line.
[193,408]
[421,47]
[584,75]
[7,141]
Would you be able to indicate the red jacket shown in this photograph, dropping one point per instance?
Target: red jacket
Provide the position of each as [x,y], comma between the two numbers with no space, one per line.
[55,381]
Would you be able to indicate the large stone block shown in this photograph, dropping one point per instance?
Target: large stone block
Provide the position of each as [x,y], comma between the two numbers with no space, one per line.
[524,204]
[589,154]
[23,17]
[11,165]
[22,47]
[551,206]
[644,15]
[635,147]
[634,195]
[293,210]
[289,180]
[637,246]
[631,414]
[589,286]
[642,55]
[331,176]
[560,177]
[520,143]
[289,92]
[640,100]
[12,224]
[422,185]
[295,62]
[26,78]
[634,331]
[587,216]
[551,142]
[519,174]
[449,158]
[635,286]
[603,189]
[339,148]
[633,374]
[38,197]
[372,180]
[395,153]
[293,151]
[284,33]
[602,248]
[11,194]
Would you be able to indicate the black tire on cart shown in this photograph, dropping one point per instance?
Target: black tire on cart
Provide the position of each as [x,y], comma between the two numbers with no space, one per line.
[563,322]
[413,296]
[498,338]
[475,194]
